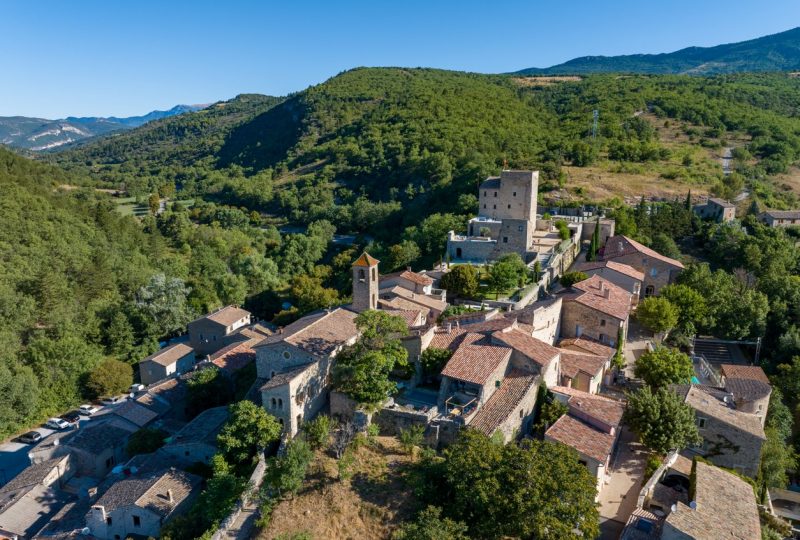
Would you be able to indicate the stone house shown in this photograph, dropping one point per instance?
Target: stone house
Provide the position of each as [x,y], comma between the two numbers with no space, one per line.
[415,282]
[621,275]
[196,442]
[139,506]
[130,415]
[95,449]
[659,270]
[506,218]
[486,388]
[724,506]
[606,229]
[543,317]
[780,218]
[582,371]
[749,387]
[296,363]
[718,210]
[731,438]
[217,329]
[591,426]
[597,309]
[171,360]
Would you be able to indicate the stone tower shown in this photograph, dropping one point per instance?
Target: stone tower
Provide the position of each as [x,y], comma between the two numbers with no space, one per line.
[365,283]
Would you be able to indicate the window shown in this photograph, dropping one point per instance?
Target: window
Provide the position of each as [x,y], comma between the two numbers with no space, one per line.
[286,355]
[280,403]
[108,520]
[494,207]
[653,272]
[484,206]
[649,290]
[137,521]
[299,420]
[484,194]
[701,422]
[602,322]
[374,273]
[521,413]
[361,274]
[272,374]
[509,207]
[760,407]
[495,194]
[274,403]
[514,194]
[519,228]
[505,239]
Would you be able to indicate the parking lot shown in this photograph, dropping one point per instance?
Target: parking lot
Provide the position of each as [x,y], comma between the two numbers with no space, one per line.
[14,454]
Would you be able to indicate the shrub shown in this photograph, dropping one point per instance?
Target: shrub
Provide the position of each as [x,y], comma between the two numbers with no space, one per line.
[318,431]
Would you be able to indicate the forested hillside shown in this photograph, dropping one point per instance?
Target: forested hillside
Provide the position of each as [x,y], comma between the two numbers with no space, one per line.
[778,52]
[379,151]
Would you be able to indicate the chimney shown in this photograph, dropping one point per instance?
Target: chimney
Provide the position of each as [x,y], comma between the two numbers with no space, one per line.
[606,292]
[449,327]
[169,495]
[280,330]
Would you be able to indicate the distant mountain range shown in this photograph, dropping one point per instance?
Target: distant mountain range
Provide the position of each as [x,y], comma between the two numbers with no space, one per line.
[39,134]
[778,52]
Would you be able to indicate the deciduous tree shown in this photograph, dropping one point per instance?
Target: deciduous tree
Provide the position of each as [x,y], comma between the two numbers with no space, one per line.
[661,419]
[109,378]
[657,314]
[664,366]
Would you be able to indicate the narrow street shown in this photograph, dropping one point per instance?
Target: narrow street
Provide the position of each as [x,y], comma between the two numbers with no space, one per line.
[624,479]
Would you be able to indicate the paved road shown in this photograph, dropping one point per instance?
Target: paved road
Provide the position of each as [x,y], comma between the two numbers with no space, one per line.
[14,454]
[624,479]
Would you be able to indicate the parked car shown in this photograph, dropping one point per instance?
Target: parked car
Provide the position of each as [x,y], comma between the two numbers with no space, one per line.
[136,388]
[57,423]
[88,410]
[113,400]
[31,437]
[73,417]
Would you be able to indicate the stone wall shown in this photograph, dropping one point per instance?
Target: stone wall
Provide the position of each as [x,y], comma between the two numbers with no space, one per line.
[574,314]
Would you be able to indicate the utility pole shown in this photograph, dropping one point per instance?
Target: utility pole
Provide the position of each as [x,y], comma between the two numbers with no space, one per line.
[595,122]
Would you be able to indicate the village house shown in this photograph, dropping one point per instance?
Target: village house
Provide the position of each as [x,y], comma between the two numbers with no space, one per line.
[196,442]
[717,210]
[139,506]
[621,275]
[95,449]
[217,329]
[585,364]
[731,438]
[749,387]
[597,309]
[693,500]
[296,364]
[177,358]
[591,426]
[780,218]
[32,498]
[542,318]
[416,282]
[129,415]
[659,271]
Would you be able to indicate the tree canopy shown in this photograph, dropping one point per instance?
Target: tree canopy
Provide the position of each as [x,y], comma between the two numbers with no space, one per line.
[664,366]
[661,419]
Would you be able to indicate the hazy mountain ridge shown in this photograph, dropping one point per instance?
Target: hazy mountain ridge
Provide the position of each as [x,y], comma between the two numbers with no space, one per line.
[776,52]
[39,134]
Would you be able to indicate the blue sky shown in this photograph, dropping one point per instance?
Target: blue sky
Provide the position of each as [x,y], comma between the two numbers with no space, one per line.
[100,58]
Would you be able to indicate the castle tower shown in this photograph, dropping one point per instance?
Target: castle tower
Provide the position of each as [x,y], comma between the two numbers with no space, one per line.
[365,283]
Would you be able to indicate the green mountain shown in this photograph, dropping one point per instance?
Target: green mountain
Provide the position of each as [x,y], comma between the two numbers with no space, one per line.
[39,134]
[777,52]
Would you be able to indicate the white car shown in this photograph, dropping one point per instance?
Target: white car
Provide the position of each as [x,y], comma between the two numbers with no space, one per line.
[88,410]
[136,388]
[113,400]
[57,423]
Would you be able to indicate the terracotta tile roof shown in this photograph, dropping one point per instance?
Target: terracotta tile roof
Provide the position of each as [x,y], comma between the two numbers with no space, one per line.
[581,436]
[226,316]
[419,279]
[706,404]
[608,411]
[442,339]
[33,474]
[475,359]
[572,362]
[721,202]
[618,267]
[97,438]
[783,214]
[421,299]
[591,293]
[203,428]
[400,304]
[132,411]
[726,508]
[235,356]
[535,349]
[150,491]
[747,389]
[366,260]
[621,245]
[411,316]
[733,371]
[169,355]
[319,333]
[515,386]
[284,378]
[582,344]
